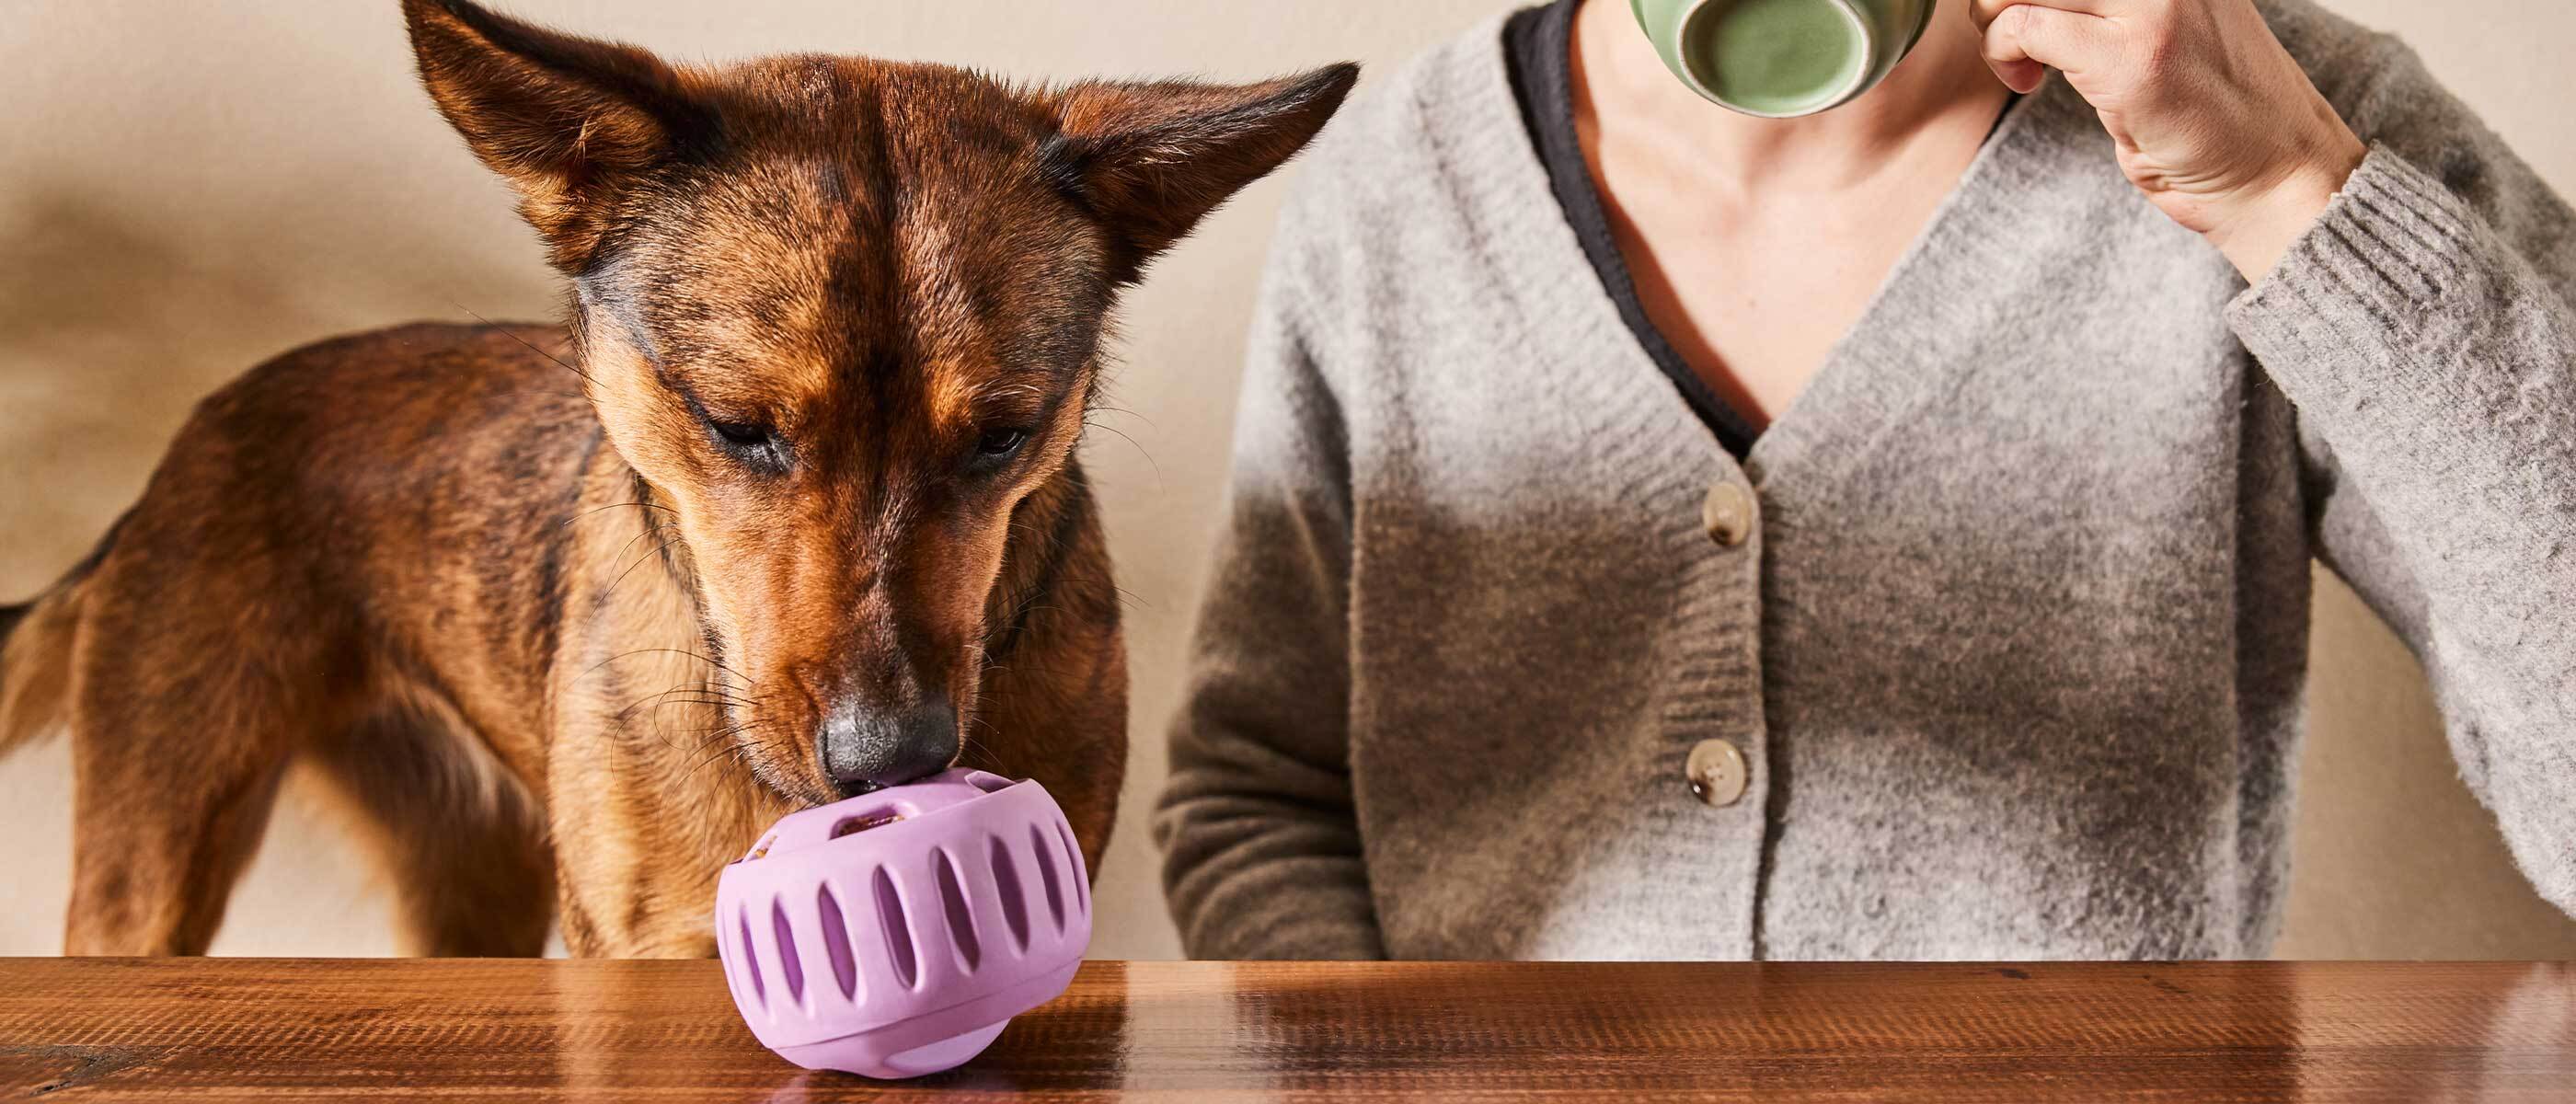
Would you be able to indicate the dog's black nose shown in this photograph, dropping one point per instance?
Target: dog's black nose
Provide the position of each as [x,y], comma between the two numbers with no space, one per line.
[865,749]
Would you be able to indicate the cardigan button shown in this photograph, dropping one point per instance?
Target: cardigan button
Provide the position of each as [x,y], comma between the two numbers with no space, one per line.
[1716,771]
[1727,513]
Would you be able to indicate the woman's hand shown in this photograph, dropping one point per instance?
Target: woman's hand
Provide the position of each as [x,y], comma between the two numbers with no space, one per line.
[2213,119]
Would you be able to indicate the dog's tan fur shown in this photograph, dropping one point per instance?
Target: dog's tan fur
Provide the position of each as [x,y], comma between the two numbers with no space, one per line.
[565,610]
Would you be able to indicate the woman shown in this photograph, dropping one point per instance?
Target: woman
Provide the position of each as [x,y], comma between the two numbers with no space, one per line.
[1663,533]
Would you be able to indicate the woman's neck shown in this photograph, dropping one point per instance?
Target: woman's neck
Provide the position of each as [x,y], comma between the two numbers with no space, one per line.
[1943,85]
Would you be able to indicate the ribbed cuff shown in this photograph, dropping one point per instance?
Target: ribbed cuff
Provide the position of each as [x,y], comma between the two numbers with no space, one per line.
[2388,271]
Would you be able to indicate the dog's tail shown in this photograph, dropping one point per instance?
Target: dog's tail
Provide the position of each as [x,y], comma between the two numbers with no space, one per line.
[36,654]
[35,665]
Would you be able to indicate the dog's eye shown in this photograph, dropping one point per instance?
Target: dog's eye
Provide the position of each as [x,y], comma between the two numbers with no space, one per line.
[742,434]
[752,443]
[999,444]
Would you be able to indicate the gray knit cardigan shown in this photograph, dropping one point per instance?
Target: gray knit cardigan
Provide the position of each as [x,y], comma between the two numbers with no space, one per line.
[2013,650]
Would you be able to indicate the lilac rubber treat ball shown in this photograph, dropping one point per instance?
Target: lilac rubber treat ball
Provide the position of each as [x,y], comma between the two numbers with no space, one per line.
[896,933]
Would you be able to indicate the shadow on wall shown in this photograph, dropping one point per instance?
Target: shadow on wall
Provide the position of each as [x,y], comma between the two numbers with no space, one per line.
[113,325]
[105,325]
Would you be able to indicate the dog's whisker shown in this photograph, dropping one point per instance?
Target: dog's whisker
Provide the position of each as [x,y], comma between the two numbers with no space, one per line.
[728,747]
[701,657]
[700,694]
[701,740]
[710,691]
[630,568]
[657,706]
[594,668]
[618,506]
[647,531]
[1157,465]
[558,361]
[707,691]
[1128,599]
[695,738]
[1102,406]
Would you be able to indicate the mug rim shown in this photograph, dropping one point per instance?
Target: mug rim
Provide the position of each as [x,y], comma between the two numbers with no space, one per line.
[1842,93]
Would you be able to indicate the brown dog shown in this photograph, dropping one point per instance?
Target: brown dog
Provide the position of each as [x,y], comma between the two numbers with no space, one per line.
[791,511]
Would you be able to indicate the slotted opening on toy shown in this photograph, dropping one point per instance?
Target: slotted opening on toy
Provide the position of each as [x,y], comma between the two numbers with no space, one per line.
[1015,907]
[1073,865]
[961,919]
[989,783]
[1046,873]
[898,931]
[873,818]
[836,942]
[751,959]
[789,962]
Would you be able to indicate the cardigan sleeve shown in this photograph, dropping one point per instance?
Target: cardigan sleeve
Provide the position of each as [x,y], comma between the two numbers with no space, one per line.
[2422,327]
[1260,840]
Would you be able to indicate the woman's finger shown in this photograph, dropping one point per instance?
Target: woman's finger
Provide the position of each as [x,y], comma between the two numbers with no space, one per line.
[2025,38]
[1984,12]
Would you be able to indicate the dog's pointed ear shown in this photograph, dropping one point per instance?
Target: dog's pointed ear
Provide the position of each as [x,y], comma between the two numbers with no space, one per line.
[564,119]
[1149,160]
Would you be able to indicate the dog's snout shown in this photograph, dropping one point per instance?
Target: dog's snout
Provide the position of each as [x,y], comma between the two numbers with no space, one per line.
[865,748]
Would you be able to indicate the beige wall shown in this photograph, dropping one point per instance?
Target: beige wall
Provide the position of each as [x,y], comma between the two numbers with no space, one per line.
[188,187]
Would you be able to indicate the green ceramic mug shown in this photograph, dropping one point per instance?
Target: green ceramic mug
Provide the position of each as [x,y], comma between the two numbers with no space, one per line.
[1782,58]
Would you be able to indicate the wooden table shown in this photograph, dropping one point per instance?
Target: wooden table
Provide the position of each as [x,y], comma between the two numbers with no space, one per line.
[221,1029]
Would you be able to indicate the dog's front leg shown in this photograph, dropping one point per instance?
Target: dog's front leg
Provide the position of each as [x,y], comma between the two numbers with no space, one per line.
[640,836]
[648,799]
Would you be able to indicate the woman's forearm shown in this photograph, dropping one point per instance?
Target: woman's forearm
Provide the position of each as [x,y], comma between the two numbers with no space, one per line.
[2438,364]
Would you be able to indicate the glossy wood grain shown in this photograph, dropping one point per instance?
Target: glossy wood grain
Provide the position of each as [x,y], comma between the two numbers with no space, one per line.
[222,1029]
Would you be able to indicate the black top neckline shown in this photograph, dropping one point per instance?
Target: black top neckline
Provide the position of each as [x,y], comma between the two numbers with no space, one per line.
[1538,47]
